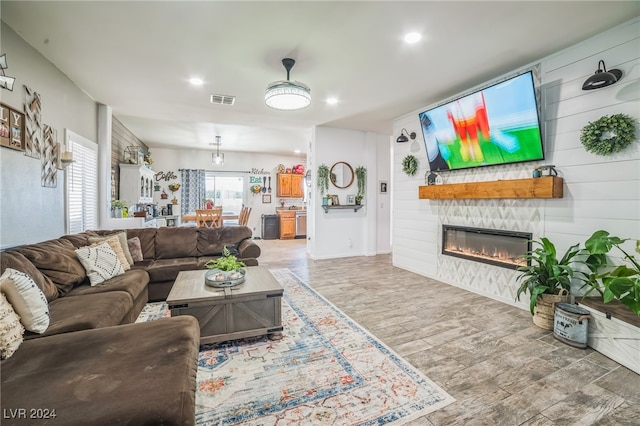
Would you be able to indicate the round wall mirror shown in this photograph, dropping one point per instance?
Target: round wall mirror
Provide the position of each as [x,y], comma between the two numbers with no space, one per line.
[341,175]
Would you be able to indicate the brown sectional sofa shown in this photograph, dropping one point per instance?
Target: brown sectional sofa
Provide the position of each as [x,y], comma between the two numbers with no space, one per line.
[92,365]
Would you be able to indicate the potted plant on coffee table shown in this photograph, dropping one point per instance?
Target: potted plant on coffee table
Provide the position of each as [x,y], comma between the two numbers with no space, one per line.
[546,279]
[226,271]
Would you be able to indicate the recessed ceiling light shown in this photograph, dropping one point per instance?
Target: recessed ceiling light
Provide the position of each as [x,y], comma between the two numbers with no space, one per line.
[297,151]
[196,81]
[332,101]
[412,38]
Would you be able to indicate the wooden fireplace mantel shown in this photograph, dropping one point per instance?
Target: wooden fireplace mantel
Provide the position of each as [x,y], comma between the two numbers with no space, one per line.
[542,187]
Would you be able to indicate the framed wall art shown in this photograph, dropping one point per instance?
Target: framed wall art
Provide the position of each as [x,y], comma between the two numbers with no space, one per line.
[266,198]
[34,132]
[11,127]
[49,160]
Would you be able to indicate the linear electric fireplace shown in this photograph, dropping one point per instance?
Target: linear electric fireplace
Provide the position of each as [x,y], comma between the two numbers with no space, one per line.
[492,246]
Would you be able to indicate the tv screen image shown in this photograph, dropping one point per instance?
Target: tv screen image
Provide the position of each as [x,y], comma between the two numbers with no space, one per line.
[496,125]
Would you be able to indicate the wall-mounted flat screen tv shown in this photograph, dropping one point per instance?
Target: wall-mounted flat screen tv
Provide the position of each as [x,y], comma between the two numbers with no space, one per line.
[496,125]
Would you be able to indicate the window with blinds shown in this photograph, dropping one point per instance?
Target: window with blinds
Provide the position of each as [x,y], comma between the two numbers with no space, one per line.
[82,185]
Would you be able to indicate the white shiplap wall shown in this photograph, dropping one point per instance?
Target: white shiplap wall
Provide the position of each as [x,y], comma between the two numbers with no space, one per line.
[599,192]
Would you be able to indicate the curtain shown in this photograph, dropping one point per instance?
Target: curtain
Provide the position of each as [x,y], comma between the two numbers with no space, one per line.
[192,191]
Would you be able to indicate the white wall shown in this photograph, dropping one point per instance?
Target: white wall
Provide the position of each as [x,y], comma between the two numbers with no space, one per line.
[28,211]
[344,233]
[172,160]
[599,193]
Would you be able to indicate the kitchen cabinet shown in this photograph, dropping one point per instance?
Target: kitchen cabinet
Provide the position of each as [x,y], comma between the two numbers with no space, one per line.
[287,225]
[290,185]
[136,184]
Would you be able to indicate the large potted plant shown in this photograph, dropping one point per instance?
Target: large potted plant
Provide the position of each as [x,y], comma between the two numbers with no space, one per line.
[546,279]
[614,329]
[613,282]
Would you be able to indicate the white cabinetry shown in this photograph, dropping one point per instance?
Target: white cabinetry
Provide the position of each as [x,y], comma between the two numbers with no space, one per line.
[136,184]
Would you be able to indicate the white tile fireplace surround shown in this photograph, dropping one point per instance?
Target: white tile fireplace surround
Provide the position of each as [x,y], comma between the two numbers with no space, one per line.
[515,215]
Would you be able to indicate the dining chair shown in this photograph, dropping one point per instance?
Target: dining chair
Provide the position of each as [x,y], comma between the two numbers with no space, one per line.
[209,218]
[243,219]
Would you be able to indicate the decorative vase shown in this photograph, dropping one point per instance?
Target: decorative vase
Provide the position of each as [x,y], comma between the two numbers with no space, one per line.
[544,311]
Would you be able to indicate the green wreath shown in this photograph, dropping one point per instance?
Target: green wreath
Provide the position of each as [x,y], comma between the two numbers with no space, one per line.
[410,165]
[621,127]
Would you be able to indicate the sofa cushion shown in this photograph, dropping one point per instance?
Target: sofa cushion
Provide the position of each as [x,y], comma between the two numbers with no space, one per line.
[174,242]
[57,260]
[17,261]
[211,241]
[147,237]
[135,374]
[73,313]
[167,269]
[122,239]
[133,282]
[11,329]
[27,300]
[78,240]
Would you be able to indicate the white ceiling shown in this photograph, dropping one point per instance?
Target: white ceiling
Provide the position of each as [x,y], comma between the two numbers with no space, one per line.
[137,57]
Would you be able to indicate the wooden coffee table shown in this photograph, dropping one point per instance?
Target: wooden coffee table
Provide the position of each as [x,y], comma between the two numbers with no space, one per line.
[253,308]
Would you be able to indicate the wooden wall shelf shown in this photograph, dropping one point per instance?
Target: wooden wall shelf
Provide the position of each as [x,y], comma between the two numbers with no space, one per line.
[347,207]
[542,187]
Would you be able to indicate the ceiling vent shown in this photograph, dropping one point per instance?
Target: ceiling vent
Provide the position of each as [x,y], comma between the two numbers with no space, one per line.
[222,99]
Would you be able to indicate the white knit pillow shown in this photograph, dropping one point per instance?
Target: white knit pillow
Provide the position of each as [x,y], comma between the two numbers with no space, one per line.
[100,262]
[11,329]
[27,300]
[114,243]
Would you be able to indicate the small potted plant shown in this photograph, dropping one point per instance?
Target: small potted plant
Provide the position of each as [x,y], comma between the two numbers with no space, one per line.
[226,271]
[361,180]
[323,178]
[546,279]
[117,206]
[359,199]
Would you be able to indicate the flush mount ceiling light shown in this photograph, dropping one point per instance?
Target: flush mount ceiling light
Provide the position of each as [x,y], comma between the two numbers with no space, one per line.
[287,95]
[403,136]
[602,78]
[217,159]
[411,38]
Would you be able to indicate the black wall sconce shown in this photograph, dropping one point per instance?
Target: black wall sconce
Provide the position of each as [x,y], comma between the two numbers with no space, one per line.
[602,77]
[403,136]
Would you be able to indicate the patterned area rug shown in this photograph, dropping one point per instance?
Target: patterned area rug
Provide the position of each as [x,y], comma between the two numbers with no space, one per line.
[326,370]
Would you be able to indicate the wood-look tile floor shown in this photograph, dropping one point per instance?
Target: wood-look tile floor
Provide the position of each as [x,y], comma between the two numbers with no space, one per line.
[500,367]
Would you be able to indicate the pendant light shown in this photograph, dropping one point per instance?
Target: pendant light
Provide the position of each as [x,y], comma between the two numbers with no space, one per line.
[287,95]
[217,159]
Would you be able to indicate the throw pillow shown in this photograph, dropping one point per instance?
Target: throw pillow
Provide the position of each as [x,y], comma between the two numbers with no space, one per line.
[122,237]
[100,262]
[10,329]
[27,300]
[135,248]
[114,243]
